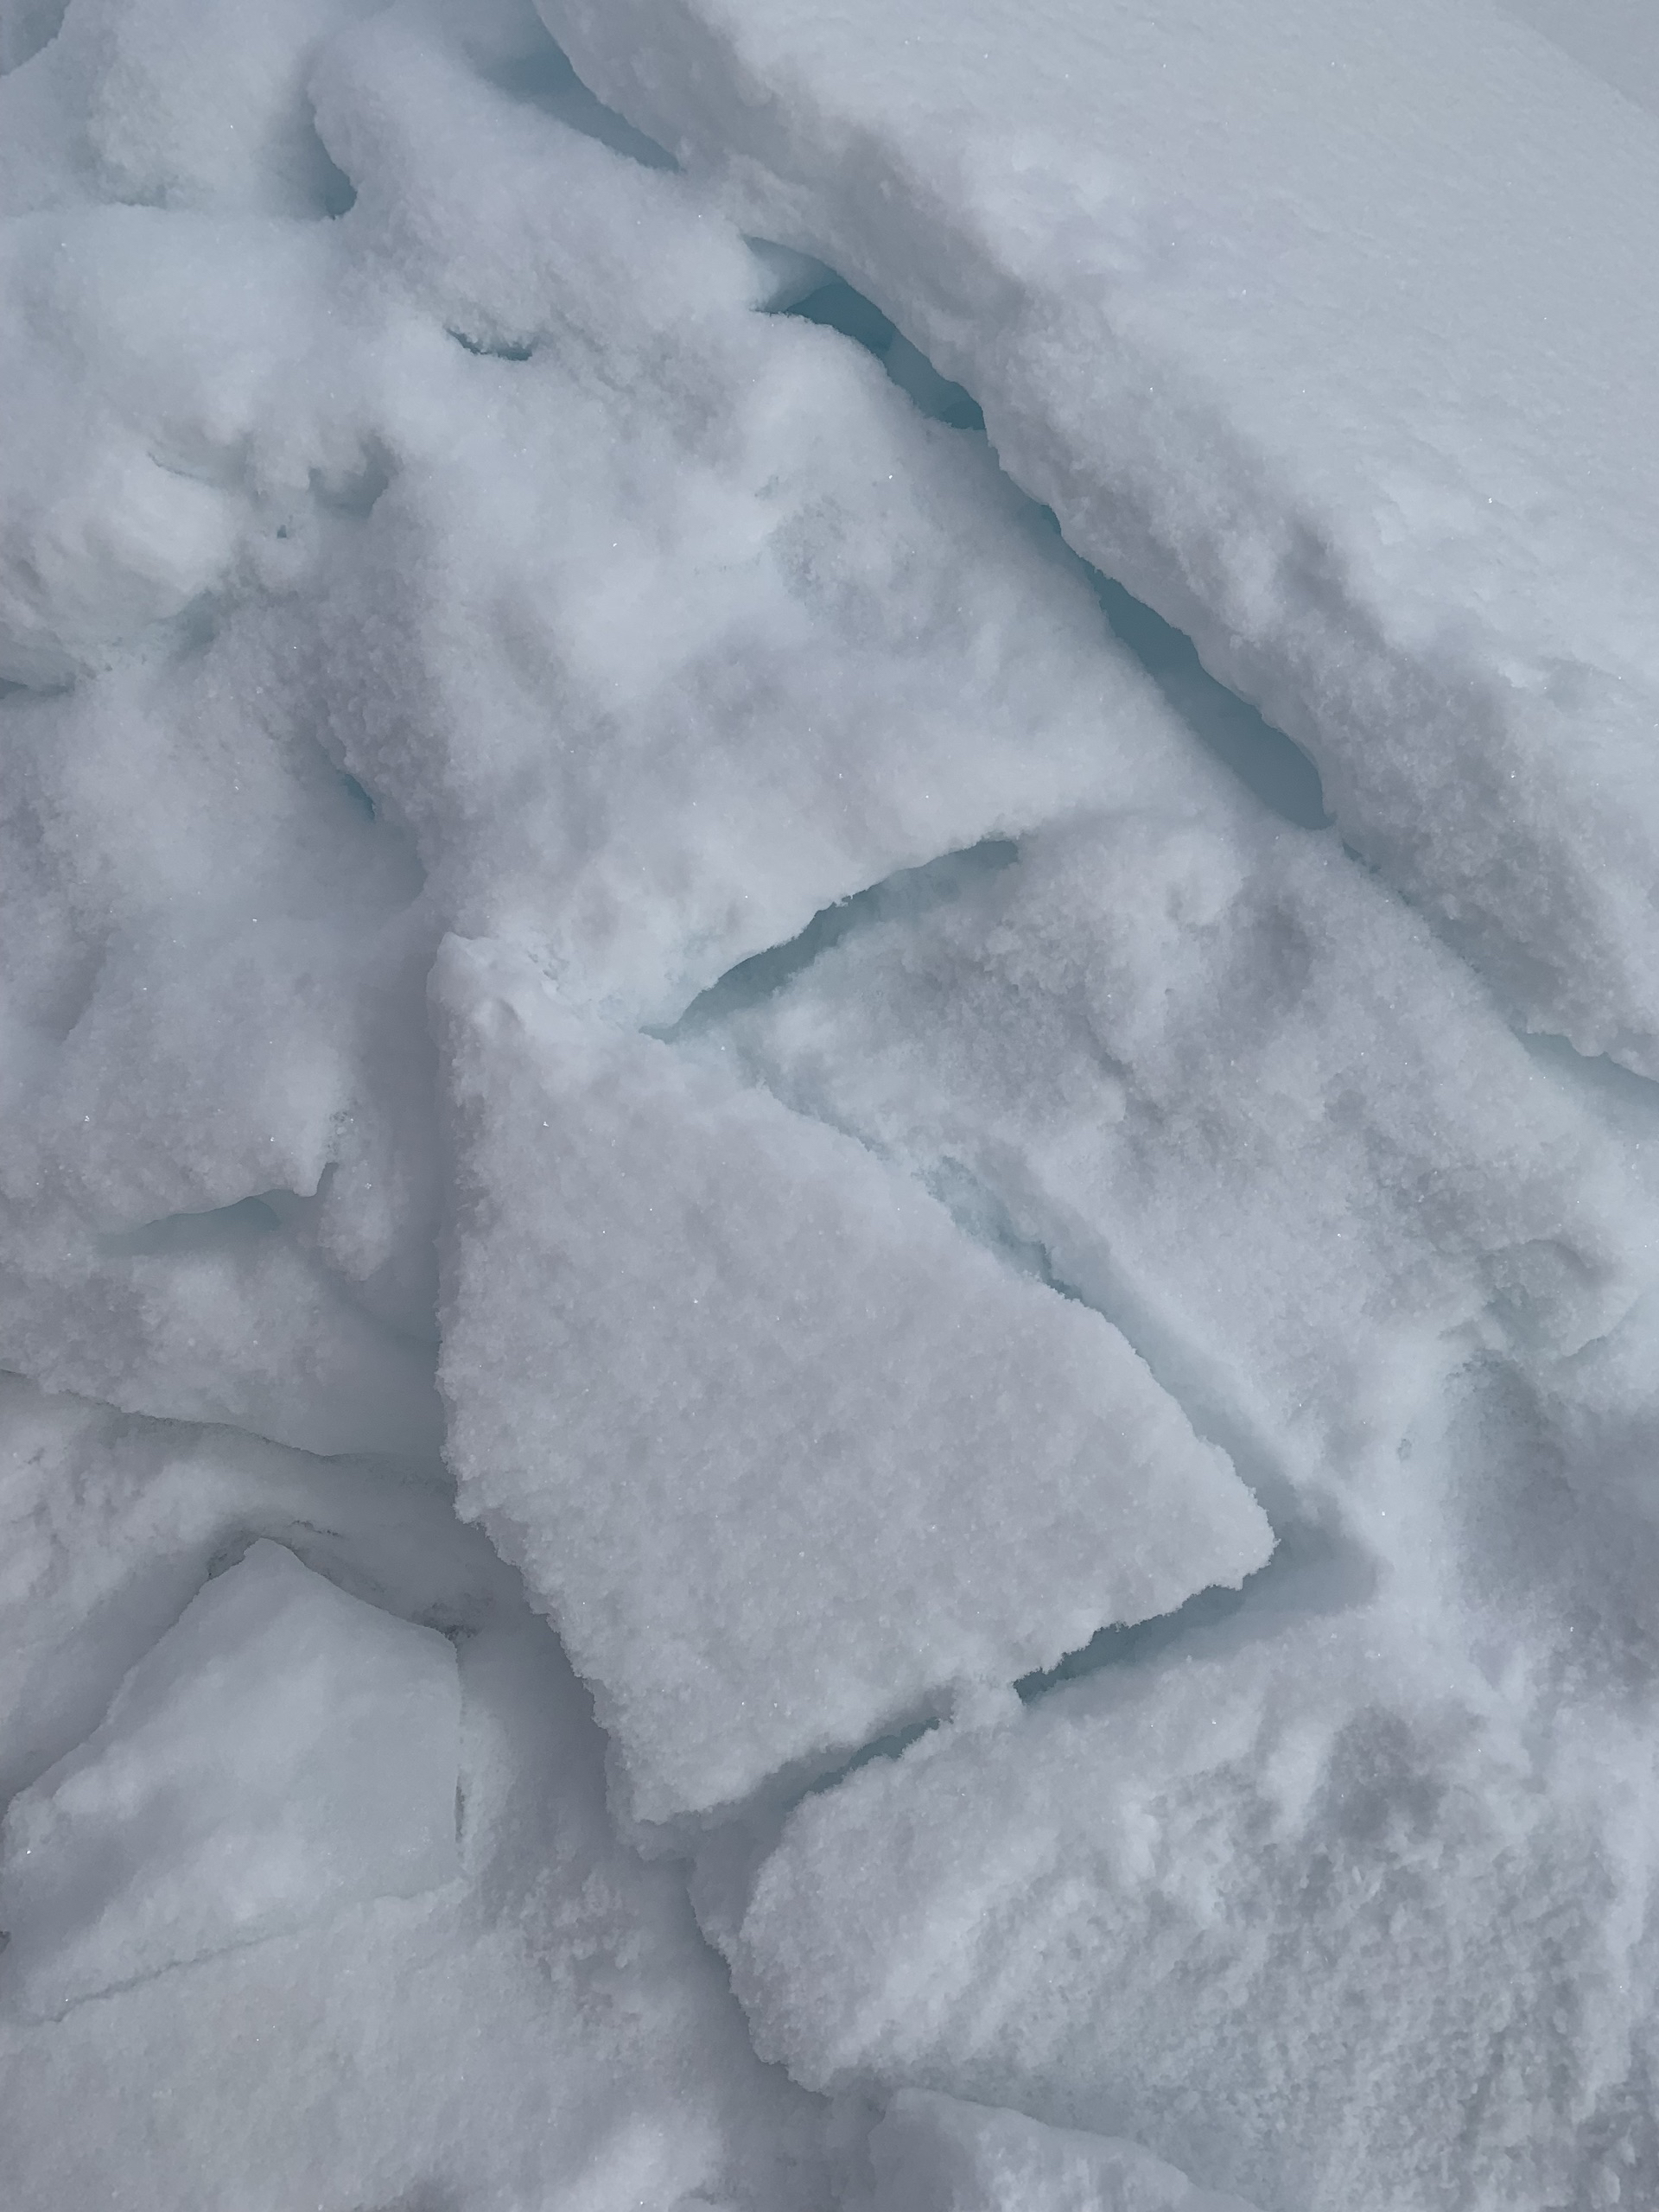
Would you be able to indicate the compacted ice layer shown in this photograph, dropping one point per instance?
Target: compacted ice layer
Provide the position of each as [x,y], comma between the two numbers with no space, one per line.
[787,1458]
[938,2154]
[284,1748]
[1328,332]
[1323,1918]
[544,2022]
[1199,1067]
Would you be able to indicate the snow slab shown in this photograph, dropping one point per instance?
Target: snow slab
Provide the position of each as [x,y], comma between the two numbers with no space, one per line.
[1200,1069]
[1326,330]
[787,1458]
[939,2154]
[1323,1917]
[283,1749]
[543,2026]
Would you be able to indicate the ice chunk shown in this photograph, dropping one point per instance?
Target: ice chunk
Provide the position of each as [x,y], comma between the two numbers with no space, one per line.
[1209,1075]
[1248,293]
[938,2154]
[1320,1917]
[283,1749]
[787,1458]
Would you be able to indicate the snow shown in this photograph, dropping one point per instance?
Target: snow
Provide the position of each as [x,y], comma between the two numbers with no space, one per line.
[1195,1067]
[1326,330]
[938,2154]
[829,1375]
[284,1748]
[1324,1919]
[548,2011]
[849,1465]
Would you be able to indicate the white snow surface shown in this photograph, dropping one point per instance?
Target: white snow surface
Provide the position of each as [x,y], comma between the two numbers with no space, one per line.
[1375,1938]
[787,1460]
[717,1190]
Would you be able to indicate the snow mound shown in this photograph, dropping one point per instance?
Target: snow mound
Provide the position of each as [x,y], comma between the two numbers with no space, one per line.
[285,1749]
[786,1457]
[938,2154]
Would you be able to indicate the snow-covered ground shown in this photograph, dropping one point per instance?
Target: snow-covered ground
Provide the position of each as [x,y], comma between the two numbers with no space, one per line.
[829,1147]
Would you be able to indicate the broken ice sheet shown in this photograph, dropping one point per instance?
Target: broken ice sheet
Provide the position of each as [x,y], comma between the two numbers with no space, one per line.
[788,1458]
[283,1749]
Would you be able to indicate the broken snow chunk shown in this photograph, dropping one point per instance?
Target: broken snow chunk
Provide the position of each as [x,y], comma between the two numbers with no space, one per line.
[938,2154]
[786,1457]
[1223,1083]
[1318,1915]
[283,1749]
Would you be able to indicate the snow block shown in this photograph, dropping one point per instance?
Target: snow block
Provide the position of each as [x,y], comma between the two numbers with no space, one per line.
[284,1750]
[1319,1915]
[939,2154]
[1326,329]
[788,1459]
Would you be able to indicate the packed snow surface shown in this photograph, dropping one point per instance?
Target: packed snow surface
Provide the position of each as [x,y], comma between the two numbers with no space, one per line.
[828,1167]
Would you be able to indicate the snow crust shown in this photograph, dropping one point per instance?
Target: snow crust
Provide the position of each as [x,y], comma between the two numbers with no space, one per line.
[608,932]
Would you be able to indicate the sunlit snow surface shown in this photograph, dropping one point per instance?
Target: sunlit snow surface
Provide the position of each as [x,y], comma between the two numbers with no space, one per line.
[829,1176]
